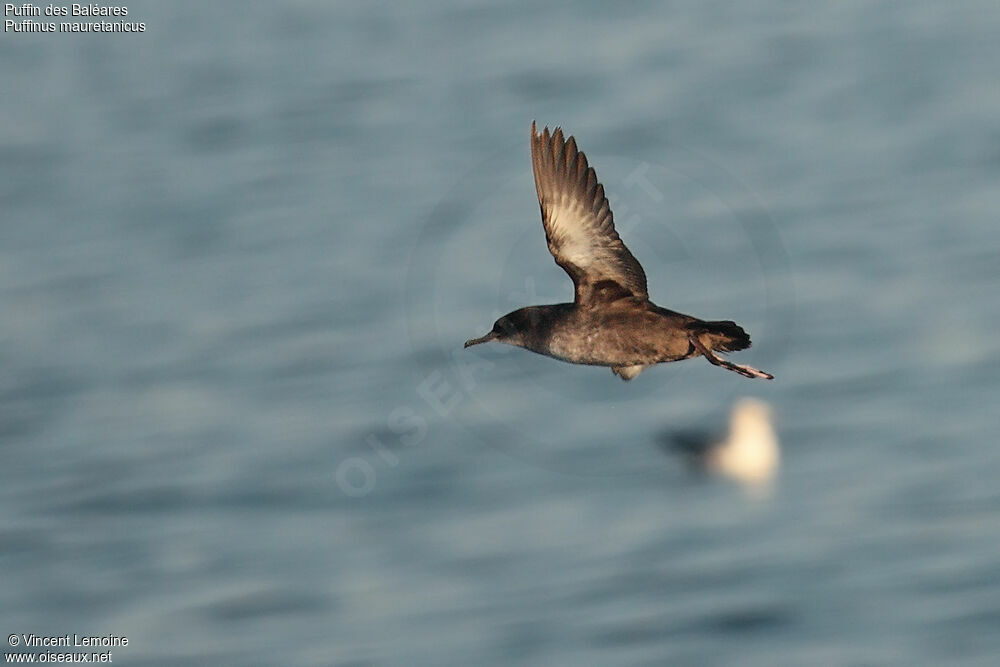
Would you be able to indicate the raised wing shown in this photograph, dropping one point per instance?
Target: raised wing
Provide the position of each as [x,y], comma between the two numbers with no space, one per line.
[578,223]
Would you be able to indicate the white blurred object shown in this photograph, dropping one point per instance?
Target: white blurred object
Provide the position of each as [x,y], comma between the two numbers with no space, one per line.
[750,453]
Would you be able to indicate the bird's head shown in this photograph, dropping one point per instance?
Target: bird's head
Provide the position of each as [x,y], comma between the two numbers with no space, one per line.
[508,329]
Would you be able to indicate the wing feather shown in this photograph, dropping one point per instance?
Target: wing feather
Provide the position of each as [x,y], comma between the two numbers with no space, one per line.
[579,226]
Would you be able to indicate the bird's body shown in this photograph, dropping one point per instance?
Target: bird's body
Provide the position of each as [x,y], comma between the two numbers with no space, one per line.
[626,334]
[749,453]
[611,321]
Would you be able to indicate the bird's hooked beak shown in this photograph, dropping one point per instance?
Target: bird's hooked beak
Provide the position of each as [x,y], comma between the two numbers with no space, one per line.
[485,339]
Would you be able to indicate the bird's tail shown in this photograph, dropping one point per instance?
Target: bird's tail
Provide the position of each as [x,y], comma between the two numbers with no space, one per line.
[721,336]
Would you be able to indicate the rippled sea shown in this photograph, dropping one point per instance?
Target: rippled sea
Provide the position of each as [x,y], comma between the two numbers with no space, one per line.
[240,252]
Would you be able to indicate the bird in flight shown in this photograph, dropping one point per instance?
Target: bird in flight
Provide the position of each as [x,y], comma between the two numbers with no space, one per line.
[611,321]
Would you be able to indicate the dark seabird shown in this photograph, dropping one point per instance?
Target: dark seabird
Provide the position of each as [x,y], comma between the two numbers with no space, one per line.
[611,321]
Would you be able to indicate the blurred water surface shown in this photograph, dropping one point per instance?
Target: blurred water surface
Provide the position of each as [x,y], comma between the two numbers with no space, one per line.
[239,254]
